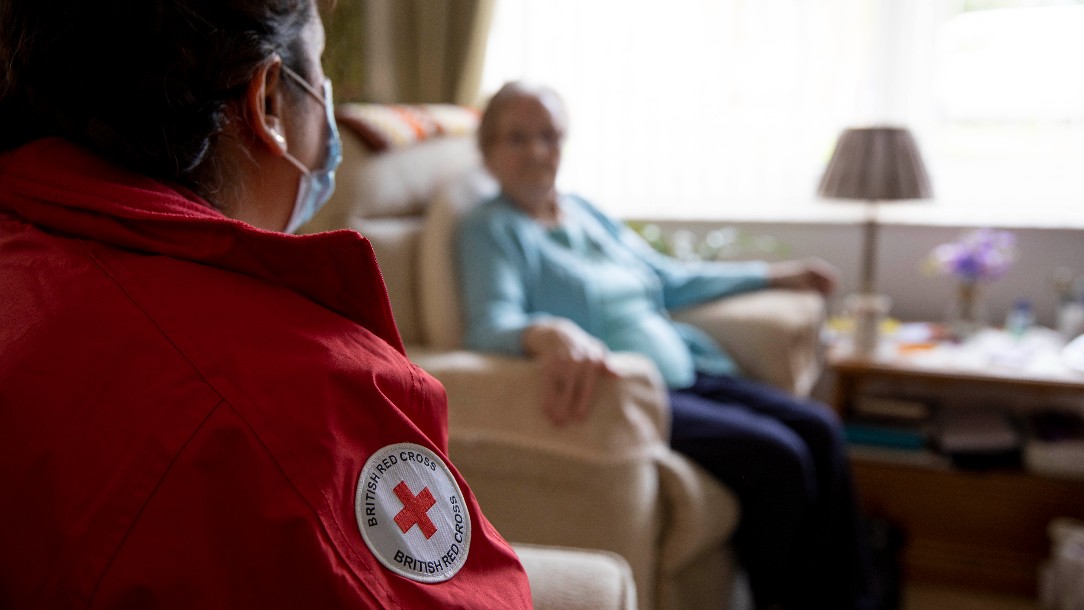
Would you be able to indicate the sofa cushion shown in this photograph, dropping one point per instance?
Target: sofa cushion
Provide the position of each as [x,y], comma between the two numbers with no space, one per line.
[399,182]
[385,126]
[386,197]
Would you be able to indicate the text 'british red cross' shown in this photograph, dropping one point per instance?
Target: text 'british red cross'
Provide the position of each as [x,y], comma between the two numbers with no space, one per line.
[415,509]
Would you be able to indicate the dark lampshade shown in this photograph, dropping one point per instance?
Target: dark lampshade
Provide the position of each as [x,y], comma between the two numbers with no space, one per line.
[875,164]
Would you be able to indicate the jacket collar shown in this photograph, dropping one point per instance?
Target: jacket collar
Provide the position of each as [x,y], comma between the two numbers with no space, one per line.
[67,190]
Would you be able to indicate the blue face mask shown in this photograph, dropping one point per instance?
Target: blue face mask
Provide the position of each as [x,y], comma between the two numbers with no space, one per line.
[316,185]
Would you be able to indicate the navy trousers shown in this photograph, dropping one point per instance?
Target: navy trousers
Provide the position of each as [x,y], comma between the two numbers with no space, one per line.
[800,534]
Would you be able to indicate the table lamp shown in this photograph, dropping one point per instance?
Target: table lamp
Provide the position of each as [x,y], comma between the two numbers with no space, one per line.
[872,165]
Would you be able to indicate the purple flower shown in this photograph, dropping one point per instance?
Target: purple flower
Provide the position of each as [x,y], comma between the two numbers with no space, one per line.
[979,255]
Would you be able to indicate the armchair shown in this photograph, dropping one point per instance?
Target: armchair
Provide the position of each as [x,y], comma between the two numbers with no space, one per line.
[610,483]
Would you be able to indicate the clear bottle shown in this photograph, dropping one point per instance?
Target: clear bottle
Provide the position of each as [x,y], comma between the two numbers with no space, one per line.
[1020,318]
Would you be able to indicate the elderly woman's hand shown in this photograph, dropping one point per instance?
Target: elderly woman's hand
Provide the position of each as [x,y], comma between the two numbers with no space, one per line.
[572,362]
[807,274]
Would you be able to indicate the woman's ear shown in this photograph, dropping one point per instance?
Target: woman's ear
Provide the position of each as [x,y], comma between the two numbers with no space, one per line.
[264,105]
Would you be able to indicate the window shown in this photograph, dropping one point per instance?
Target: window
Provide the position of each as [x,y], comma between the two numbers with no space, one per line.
[730,108]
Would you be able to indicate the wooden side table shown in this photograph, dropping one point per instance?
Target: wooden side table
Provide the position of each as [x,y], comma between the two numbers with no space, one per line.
[981,529]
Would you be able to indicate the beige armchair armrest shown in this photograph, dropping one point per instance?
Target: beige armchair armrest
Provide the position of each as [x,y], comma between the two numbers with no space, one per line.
[611,482]
[773,335]
[498,399]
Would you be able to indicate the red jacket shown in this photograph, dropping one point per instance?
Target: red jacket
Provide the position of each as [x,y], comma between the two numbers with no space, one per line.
[196,413]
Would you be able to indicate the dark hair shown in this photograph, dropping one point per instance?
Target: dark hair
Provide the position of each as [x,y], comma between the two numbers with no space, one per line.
[513,90]
[146,83]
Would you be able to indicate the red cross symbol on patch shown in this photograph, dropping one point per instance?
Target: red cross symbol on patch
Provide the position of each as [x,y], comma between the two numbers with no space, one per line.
[415,509]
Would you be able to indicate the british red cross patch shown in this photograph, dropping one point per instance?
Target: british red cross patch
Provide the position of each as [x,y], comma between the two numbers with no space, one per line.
[411,513]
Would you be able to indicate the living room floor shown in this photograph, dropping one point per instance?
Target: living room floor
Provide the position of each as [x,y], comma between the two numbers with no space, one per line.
[938,597]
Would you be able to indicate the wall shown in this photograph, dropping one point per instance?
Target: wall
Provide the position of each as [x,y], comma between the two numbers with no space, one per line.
[915,295]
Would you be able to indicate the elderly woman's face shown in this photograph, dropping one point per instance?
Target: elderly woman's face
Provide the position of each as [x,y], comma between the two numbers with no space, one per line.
[526,152]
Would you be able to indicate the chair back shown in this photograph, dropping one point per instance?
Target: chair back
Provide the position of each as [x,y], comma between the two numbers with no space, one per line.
[405,201]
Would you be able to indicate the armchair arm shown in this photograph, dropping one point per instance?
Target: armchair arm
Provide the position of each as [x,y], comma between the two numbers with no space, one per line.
[499,398]
[577,579]
[773,335]
[591,484]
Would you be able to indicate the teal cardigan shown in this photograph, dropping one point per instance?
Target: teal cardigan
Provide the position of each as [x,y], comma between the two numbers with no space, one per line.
[512,273]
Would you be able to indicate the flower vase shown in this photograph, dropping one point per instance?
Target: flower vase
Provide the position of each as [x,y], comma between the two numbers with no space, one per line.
[967,312]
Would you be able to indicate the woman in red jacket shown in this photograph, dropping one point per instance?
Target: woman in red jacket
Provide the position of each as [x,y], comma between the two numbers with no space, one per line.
[199,409]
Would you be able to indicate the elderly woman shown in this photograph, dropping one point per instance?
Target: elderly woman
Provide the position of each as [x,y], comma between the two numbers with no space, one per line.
[546,274]
[199,410]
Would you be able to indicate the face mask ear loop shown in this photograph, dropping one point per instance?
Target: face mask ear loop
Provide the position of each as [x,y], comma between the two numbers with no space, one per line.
[298,164]
[313,91]
[316,185]
[325,101]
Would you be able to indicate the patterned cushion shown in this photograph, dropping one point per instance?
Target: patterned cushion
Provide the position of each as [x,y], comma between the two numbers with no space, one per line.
[388,126]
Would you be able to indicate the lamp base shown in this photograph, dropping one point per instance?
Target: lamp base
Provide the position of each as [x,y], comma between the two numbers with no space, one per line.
[866,311]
